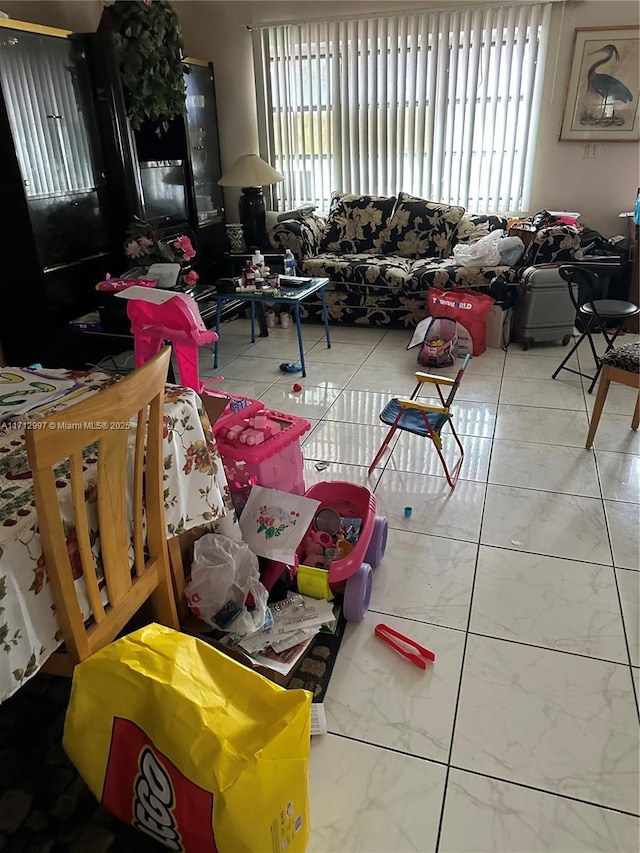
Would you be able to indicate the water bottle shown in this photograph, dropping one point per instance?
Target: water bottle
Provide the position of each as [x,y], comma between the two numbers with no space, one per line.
[636,210]
[289,263]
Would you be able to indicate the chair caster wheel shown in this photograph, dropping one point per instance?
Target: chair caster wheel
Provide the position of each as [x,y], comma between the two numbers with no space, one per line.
[566,340]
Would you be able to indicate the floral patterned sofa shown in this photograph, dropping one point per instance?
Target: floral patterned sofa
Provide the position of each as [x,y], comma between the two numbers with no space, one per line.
[382,254]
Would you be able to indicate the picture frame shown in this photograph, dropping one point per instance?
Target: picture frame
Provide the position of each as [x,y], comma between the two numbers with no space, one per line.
[603,89]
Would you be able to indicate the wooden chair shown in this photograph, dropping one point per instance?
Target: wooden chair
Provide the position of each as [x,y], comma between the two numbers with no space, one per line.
[618,365]
[425,419]
[129,482]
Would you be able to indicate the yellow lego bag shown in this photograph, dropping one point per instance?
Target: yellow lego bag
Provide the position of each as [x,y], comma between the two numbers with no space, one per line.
[190,746]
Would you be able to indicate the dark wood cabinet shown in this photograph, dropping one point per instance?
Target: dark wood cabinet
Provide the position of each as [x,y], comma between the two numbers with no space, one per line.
[55,201]
[206,168]
[75,174]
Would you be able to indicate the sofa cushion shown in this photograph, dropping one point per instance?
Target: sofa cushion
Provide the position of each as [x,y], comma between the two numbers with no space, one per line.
[447,274]
[420,228]
[473,226]
[362,268]
[357,223]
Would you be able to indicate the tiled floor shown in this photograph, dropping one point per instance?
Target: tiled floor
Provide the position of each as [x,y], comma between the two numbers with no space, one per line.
[524,734]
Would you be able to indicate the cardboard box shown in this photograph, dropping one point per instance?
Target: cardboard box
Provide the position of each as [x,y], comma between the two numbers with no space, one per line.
[499,321]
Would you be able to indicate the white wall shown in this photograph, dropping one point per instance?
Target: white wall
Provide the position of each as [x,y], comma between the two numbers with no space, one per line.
[217,30]
[600,188]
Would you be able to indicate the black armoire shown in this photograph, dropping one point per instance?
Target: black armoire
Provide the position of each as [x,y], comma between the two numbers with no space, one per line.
[56,204]
[74,173]
[168,179]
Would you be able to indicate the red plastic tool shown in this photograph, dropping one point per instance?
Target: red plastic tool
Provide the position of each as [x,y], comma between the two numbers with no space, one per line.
[386,634]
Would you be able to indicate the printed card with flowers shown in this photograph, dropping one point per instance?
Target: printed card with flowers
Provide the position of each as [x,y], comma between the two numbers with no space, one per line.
[274,523]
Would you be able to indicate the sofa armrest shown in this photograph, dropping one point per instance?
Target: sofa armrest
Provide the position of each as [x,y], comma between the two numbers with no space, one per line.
[302,236]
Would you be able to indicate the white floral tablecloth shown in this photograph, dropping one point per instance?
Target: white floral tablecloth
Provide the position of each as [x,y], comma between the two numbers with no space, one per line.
[196,493]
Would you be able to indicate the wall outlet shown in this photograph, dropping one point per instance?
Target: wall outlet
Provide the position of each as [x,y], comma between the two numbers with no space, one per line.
[591,150]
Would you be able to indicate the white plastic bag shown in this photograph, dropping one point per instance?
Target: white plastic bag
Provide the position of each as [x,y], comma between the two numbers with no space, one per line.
[484,253]
[224,570]
[511,250]
[274,523]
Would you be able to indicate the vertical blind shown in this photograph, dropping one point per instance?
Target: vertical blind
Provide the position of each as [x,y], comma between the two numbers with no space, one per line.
[47,120]
[443,105]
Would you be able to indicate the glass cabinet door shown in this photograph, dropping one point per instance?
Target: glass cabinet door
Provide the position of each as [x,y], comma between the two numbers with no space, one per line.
[46,88]
[202,125]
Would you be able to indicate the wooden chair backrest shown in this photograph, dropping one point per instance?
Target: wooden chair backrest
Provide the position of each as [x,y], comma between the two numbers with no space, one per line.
[100,420]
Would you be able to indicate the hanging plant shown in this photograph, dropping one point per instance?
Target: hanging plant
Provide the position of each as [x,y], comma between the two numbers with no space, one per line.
[149,50]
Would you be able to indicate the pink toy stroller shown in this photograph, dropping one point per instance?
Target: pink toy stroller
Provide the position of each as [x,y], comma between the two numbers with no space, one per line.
[177,320]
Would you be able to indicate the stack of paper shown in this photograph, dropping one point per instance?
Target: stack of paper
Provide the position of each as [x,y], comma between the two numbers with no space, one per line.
[296,621]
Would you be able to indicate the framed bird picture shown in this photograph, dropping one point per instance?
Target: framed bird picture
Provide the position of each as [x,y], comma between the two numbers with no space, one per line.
[601,103]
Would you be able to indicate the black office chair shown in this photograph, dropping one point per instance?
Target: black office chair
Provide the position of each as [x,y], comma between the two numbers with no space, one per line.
[595,313]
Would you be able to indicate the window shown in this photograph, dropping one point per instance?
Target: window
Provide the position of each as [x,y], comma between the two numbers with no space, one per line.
[443,105]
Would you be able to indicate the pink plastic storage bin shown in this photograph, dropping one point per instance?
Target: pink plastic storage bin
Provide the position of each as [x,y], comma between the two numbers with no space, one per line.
[275,463]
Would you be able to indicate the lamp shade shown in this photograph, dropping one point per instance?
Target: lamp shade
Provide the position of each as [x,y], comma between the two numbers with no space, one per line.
[250,171]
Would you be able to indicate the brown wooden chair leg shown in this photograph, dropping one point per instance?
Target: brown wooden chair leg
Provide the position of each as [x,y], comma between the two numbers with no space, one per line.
[636,414]
[601,396]
[177,576]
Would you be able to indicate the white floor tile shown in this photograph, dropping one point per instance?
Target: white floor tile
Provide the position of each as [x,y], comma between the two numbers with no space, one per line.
[340,353]
[362,336]
[547,698]
[243,387]
[358,407]
[378,696]
[624,523]
[398,359]
[629,586]
[619,475]
[435,508]
[339,471]
[551,426]
[353,444]
[546,523]
[418,455]
[615,433]
[557,393]
[391,802]
[311,402]
[524,367]
[387,380]
[544,601]
[282,349]
[489,816]
[621,400]
[426,578]
[254,369]
[548,467]
[562,723]
[320,375]
[397,339]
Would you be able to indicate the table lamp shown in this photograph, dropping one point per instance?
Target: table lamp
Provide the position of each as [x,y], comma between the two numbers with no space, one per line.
[251,173]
